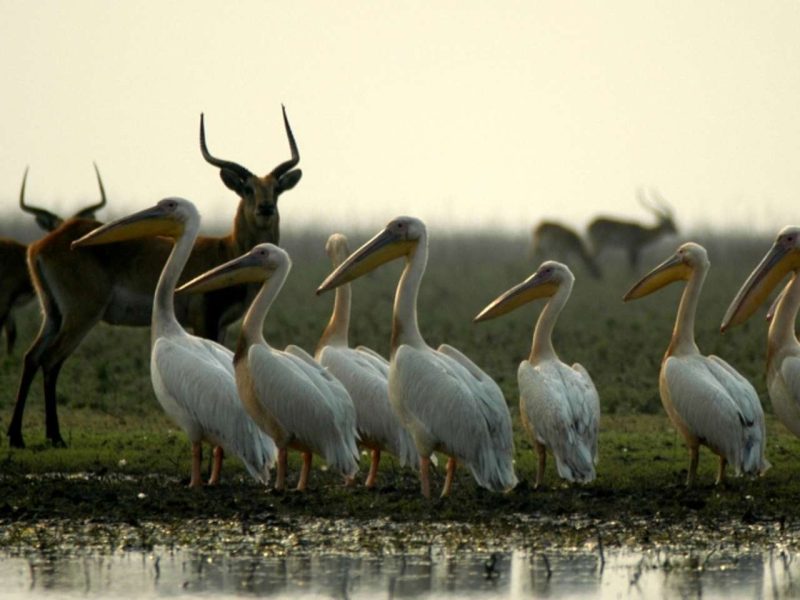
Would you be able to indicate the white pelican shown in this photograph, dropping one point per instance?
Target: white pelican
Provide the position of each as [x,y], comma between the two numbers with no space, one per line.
[783,349]
[291,397]
[192,377]
[558,404]
[445,401]
[705,398]
[365,375]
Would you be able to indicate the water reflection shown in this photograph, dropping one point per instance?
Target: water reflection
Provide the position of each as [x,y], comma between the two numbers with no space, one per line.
[577,574]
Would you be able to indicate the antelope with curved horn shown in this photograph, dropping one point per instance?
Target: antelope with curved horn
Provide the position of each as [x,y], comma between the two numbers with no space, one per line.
[16,289]
[632,237]
[555,239]
[124,277]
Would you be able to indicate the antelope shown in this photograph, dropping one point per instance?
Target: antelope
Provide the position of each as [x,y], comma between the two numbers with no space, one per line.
[630,236]
[553,240]
[123,278]
[16,289]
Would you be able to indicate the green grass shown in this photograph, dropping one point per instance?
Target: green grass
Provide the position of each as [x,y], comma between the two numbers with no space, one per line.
[115,428]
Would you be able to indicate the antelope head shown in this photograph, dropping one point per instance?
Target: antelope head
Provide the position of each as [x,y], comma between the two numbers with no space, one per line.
[661,209]
[259,195]
[50,221]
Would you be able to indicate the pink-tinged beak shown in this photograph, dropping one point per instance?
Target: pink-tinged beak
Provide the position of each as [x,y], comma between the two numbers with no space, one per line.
[672,269]
[382,248]
[149,222]
[536,286]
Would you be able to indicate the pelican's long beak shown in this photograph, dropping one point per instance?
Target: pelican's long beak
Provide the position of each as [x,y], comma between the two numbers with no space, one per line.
[773,267]
[672,269]
[145,223]
[245,269]
[382,248]
[532,288]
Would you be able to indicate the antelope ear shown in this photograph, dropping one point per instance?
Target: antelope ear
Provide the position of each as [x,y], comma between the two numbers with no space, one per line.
[288,181]
[231,180]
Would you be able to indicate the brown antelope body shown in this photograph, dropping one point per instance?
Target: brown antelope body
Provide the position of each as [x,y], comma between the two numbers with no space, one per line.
[553,240]
[631,236]
[115,283]
[16,289]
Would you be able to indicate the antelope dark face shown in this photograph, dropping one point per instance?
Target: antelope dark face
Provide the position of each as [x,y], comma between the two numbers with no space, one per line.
[259,195]
[666,224]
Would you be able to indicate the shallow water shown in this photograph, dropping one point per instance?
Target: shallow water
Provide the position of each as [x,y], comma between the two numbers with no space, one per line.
[437,574]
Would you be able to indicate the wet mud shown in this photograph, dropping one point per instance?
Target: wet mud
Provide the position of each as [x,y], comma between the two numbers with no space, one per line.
[65,514]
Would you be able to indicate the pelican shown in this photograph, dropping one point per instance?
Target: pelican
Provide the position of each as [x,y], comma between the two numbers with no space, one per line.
[192,377]
[288,394]
[445,400]
[783,349]
[559,405]
[705,398]
[365,375]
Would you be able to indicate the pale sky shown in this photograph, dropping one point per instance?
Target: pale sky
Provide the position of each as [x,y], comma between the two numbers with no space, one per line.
[466,114]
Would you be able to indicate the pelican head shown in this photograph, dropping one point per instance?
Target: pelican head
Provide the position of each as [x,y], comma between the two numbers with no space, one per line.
[167,218]
[784,256]
[545,282]
[336,248]
[398,238]
[255,266]
[677,267]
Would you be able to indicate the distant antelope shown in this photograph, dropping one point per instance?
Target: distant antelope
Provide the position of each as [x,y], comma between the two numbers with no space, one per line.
[123,278]
[16,289]
[630,236]
[553,240]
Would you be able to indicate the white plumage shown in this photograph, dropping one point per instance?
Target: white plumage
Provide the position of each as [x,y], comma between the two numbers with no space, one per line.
[288,394]
[711,403]
[451,406]
[193,378]
[559,405]
[446,402]
[364,373]
[783,357]
[706,399]
[783,383]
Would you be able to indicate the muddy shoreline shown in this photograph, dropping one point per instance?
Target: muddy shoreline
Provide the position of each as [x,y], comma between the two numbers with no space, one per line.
[84,512]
